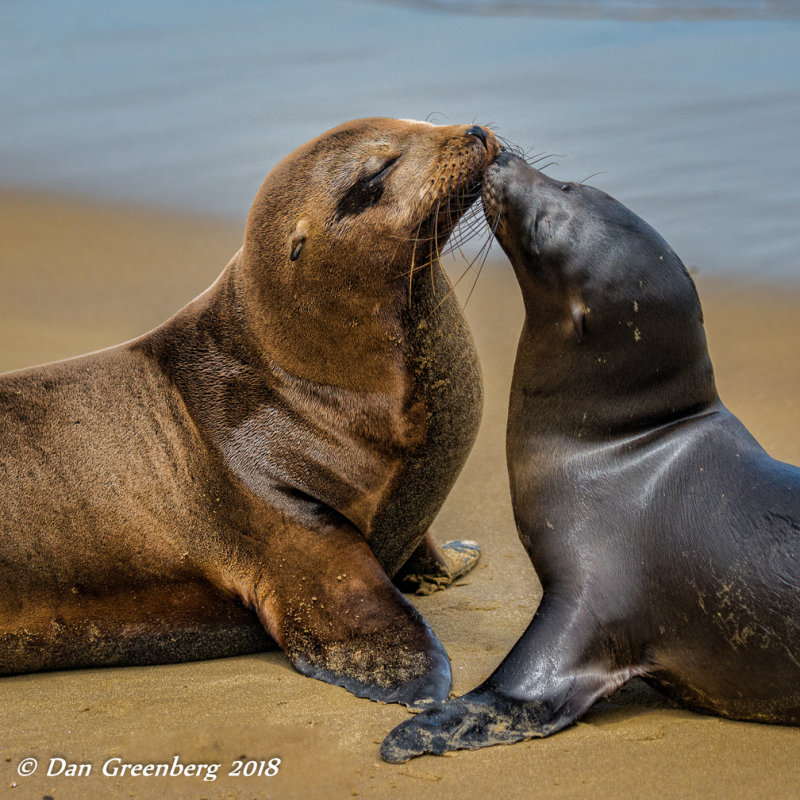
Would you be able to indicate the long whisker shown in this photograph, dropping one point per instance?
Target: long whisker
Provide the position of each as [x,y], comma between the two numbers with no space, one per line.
[461,228]
[477,226]
[454,285]
[509,146]
[482,255]
[462,240]
[486,250]
[593,175]
[413,259]
[455,244]
[546,156]
[435,257]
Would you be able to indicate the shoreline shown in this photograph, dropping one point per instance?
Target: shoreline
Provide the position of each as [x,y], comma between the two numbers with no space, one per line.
[78,275]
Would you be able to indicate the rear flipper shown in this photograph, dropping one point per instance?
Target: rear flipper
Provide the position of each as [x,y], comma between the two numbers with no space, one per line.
[150,623]
[433,567]
[552,676]
[326,601]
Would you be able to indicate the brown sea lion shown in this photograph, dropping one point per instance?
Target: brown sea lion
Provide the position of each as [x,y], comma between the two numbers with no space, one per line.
[666,540]
[261,464]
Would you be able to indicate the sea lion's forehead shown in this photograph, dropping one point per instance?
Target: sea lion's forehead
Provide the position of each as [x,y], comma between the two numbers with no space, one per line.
[374,128]
[350,151]
[348,147]
[341,166]
[420,122]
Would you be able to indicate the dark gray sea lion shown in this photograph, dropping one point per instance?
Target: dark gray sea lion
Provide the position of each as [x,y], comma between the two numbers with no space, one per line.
[260,465]
[666,540]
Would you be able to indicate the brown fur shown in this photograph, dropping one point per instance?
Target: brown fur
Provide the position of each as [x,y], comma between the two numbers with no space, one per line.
[280,445]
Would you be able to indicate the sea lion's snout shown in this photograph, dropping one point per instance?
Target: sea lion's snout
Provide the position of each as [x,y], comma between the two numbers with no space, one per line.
[506,185]
[531,214]
[506,158]
[509,176]
[505,175]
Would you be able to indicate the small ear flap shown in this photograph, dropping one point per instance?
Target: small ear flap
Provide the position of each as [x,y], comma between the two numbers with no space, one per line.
[297,247]
[298,239]
[578,319]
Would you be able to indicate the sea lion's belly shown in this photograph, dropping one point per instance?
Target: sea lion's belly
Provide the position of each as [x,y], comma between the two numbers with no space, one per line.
[95,478]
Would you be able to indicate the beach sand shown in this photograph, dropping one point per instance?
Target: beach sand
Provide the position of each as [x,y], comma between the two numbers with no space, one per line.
[77,276]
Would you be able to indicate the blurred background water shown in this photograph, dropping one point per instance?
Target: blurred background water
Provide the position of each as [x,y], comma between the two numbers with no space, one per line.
[688,111]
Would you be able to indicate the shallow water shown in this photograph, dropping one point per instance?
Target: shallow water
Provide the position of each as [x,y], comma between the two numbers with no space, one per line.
[624,9]
[187,105]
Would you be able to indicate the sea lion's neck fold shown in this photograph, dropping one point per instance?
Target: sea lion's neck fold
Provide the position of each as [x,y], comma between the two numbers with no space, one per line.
[607,391]
[341,330]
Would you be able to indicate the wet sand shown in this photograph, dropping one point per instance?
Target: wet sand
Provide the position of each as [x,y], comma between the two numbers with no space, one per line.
[75,277]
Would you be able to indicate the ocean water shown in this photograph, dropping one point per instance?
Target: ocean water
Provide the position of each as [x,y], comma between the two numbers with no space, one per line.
[625,9]
[687,112]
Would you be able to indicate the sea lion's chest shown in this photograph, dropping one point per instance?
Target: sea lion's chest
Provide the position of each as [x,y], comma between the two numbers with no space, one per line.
[384,459]
[445,400]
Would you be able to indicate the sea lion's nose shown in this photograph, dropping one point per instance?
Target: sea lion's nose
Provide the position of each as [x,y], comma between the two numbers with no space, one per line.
[479,133]
[510,163]
[504,158]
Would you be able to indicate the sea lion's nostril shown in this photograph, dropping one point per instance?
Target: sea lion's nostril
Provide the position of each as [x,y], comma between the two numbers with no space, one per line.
[503,158]
[479,133]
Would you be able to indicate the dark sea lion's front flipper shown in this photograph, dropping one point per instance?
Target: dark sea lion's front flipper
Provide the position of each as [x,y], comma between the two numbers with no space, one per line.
[552,676]
[323,597]
[433,567]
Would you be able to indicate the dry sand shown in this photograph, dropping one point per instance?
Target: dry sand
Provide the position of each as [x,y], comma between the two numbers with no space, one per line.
[77,276]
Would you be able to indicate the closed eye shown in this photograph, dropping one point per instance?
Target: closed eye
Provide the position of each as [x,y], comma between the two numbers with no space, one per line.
[383,171]
[365,192]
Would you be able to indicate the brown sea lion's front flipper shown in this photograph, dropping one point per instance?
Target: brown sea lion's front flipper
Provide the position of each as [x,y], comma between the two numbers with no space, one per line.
[323,597]
[433,567]
[551,677]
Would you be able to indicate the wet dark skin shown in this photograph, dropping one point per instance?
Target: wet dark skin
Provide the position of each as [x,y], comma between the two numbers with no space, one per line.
[666,540]
[258,468]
